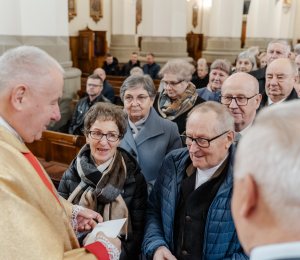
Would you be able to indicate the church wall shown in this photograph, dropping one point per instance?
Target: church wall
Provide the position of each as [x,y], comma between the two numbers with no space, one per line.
[296,32]
[83,19]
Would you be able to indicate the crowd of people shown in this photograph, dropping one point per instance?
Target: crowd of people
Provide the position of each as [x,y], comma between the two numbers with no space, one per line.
[204,168]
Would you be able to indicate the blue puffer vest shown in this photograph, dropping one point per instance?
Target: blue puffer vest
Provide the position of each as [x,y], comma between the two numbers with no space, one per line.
[220,237]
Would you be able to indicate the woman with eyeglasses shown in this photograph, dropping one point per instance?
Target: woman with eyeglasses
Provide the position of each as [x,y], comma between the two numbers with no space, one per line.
[149,137]
[179,95]
[106,178]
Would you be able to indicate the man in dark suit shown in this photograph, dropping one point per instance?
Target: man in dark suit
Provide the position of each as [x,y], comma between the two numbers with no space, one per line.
[151,68]
[279,48]
[265,202]
[281,77]
[108,90]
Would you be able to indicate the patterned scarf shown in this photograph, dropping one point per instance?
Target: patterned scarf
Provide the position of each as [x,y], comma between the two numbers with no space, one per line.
[184,103]
[101,192]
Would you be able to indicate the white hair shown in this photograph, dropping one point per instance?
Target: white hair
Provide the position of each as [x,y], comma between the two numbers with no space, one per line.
[25,65]
[298,56]
[136,71]
[297,48]
[201,60]
[283,41]
[269,152]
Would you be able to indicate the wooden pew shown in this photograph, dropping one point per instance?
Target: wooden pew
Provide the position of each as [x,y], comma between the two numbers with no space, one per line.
[55,151]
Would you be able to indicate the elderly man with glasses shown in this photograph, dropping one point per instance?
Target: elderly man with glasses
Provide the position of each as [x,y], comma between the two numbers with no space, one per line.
[189,215]
[94,87]
[240,93]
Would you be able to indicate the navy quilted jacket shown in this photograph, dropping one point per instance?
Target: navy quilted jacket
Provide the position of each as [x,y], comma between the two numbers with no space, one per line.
[220,241]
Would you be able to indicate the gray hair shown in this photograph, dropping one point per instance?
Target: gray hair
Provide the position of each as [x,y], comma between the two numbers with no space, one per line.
[250,56]
[221,64]
[183,69]
[283,41]
[201,59]
[254,50]
[294,68]
[297,56]
[137,81]
[225,119]
[136,71]
[297,48]
[269,152]
[26,65]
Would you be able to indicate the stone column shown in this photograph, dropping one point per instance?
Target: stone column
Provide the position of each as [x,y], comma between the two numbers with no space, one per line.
[268,20]
[164,30]
[225,29]
[43,24]
[123,41]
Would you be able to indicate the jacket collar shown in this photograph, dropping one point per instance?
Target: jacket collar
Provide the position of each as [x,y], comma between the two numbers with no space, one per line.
[9,138]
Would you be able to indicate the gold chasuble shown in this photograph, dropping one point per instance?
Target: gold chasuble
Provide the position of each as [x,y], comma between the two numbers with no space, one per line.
[35,220]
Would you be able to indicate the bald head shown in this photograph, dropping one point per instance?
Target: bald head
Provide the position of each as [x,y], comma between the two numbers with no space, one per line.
[101,73]
[281,76]
[243,86]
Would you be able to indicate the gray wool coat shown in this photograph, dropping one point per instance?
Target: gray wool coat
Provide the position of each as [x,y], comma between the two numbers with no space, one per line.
[156,138]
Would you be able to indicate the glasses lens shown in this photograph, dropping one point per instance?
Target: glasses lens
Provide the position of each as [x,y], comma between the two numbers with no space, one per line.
[202,142]
[241,101]
[128,99]
[96,135]
[225,100]
[184,139]
[112,137]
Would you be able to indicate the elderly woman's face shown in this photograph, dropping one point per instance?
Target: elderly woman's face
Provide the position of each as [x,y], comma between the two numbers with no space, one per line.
[263,62]
[172,89]
[216,79]
[102,150]
[137,103]
[244,65]
[202,125]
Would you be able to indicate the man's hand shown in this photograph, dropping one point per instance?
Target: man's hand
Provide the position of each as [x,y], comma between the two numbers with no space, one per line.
[115,241]
[85,220]
[163,253]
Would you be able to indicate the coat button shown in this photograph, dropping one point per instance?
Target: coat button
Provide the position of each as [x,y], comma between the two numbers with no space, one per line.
[185,253]
[188,218]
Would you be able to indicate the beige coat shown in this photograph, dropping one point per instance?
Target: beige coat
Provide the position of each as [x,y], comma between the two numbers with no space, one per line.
[33,225]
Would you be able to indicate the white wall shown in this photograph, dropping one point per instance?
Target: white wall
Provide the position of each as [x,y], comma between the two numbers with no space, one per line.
[83,19]
[189,16]
[34,17]
[296,32]
[123,17]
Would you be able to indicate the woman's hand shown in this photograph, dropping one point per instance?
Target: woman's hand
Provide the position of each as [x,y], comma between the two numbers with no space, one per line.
[85,220]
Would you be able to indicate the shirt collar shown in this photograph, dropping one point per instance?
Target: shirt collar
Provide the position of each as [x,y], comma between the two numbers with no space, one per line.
[8,127]
[276,251]
[102,167]
[243,132]
[270,102]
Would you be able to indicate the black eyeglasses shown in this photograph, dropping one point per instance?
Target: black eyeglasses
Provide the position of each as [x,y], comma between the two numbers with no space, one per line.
[201,142]
[109,137]
[172,84]
[240,101]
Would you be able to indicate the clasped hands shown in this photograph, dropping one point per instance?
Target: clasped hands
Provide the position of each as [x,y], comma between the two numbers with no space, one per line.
[86,222]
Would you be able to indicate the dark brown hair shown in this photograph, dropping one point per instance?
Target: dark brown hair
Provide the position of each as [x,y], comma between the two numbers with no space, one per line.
[103,111]
[95,76]
[107,55]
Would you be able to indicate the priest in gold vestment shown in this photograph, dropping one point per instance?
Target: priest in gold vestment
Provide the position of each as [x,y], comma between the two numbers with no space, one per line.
[35,220]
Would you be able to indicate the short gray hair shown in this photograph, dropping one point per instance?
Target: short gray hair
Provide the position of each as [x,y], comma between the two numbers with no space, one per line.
[136,70]
[225,118]
[221,64]
[250,56]
[137,81]
[269,152]
[26,65]
[283,41]
[201,59]
[297,48]
[182,68]
[297,57]
[254,50]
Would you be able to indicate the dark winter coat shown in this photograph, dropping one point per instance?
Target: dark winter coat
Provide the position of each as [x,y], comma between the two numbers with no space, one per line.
[220,237]
[134,194]
[152,70]
[260,75]
[127,68]
[108,91]
[111,69]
